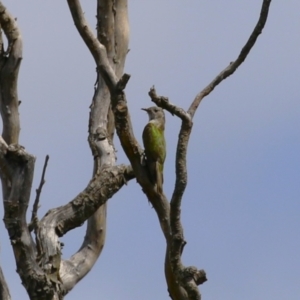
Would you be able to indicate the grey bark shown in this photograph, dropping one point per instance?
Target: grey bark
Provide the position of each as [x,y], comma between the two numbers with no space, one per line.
[113,31]
[4,290]
[44,274]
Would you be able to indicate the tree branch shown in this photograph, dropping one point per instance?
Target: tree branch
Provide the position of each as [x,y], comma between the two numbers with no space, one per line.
[41,281]
[232,67]
[175,271]
[4,290]
[118,98]
[17,166]
[101,188]
[101,144]
[119,106]
[34,218]
[59,221]
[109,50]
[97,50]
[10,63]
[74,269]
[15,207]
[190,277]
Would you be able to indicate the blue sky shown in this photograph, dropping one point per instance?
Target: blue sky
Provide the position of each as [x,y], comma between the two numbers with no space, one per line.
[241,208]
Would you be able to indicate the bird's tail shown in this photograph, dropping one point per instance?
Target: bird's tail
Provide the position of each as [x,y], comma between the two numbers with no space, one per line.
[159,178]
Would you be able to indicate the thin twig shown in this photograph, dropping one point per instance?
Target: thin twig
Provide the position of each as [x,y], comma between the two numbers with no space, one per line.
[232,67]
[164,103]
[39,191]
[181,173]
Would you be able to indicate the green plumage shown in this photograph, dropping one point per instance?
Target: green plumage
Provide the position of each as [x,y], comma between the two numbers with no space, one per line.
[155,145]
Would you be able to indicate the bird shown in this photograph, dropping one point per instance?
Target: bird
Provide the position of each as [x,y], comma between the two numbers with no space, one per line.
[155,145]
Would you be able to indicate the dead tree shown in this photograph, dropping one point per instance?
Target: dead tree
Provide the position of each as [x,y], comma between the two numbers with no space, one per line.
[44,274]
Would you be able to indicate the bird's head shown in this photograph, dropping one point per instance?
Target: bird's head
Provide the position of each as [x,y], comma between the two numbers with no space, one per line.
[155,113]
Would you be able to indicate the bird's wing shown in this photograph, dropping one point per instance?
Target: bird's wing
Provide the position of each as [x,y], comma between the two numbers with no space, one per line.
[154,143]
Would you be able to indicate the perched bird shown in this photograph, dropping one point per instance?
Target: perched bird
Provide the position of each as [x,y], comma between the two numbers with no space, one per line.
[155,145]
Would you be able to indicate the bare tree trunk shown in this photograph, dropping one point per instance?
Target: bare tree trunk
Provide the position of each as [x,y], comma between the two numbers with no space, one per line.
[44,274]
[113,32]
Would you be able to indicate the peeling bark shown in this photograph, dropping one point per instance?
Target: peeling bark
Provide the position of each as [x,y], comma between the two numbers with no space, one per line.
[101,123]
[182,281]
[43,272]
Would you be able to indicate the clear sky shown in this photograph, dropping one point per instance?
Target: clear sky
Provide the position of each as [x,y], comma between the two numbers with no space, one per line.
[241,207]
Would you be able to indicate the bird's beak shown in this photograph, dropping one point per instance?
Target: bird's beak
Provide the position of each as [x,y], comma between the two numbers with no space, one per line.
[145,109]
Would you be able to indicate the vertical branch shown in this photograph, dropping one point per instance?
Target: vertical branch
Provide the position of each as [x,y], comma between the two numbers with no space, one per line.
[10,64]
[17,166]
[190,277]
[113,33]
[97,50]
[181,283]
[109,50]
[184,278]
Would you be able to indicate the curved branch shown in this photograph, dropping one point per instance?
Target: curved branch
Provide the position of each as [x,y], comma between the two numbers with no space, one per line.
[190,277]
[232,67]
[123,124]
[101,143]
[10,63]
[101,188]
[118,98]
[109,50]
[74,269]
[59,221]
[17,167]
[97,50]
[16,202]
[174,269]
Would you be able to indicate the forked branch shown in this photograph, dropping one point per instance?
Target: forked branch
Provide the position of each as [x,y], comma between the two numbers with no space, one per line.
[118,97]
[190,277]
[97,50]
[187,277]
[17,165]
[109,50]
